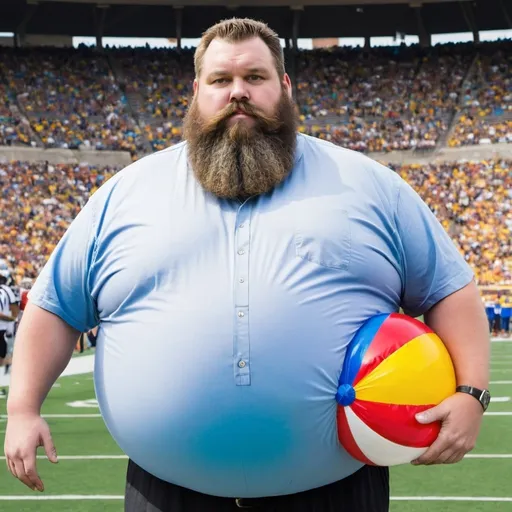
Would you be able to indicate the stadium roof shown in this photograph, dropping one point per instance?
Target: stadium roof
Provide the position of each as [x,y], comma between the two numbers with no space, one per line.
[317,18]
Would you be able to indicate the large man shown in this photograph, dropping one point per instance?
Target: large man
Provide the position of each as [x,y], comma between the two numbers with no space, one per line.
[235,268]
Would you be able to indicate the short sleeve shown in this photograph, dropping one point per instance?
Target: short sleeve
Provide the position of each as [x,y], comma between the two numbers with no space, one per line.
[63,286]
[432,266]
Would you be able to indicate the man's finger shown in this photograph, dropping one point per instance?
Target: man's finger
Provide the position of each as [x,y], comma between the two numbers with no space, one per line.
[30,470]
[455,457]
[439,446]
[437,413]
[49,448]
[20,473]
[11,467]
[443,457]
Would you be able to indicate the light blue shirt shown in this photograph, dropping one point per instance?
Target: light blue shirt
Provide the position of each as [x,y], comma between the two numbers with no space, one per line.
[223,326]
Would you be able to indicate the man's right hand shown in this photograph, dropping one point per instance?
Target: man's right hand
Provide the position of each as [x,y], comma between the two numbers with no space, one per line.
[25,433]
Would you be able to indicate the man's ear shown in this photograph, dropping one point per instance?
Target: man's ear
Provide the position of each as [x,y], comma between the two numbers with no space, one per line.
[196,86]
[287,85]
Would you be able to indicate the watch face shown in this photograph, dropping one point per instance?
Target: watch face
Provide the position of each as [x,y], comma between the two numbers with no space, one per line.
[485,399]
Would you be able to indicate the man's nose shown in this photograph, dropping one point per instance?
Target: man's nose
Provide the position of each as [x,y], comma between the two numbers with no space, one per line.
[239,90]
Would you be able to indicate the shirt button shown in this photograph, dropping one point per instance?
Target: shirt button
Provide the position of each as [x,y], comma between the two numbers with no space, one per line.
[241,364]
[241,314]
[241,251]
[241,226]
[242,280]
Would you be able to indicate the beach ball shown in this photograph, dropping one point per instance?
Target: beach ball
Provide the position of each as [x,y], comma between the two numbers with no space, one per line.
[394,368]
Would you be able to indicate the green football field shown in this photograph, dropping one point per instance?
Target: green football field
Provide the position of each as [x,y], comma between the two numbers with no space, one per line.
[90,474]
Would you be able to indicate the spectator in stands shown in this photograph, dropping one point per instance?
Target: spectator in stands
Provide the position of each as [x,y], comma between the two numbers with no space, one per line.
[472,200]
[37,204]
[383,99]
[474,204]
[67,108]
[487,99]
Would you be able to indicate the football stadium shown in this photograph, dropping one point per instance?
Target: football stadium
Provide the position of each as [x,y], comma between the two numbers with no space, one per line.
[76,107]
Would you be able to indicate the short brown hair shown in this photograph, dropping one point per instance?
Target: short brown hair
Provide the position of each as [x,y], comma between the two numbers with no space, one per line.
[241,29]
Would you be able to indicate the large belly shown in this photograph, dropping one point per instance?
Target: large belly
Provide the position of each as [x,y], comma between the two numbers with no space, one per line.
[168,394]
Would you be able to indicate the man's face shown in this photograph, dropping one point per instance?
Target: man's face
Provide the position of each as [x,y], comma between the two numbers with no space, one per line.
[242,123]
[239,72]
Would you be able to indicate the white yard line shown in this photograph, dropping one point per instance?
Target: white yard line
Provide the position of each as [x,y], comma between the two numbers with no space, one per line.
[124,457]
[449,498]
[488,456]
[76,366]
[105,497]
[62,497]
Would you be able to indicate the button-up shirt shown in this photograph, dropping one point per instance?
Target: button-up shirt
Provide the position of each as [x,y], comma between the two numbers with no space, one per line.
[224,324]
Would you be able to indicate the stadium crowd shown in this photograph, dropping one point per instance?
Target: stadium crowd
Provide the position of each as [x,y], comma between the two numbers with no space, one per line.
[381,99]
[486,110]
[65,106]
[37,204]
[473,200]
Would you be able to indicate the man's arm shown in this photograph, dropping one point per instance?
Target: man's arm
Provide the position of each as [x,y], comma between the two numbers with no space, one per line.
[61,306]
[438,283]
[44,345]
[461,323]
[15,310]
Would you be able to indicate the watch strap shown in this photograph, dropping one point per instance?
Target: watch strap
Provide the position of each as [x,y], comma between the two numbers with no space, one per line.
[475,392]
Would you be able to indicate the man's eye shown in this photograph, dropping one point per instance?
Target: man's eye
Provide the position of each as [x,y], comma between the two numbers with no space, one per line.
[220,81]
[255,78]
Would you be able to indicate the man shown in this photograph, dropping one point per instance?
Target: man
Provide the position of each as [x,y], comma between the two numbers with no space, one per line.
[8,314]
[226,303]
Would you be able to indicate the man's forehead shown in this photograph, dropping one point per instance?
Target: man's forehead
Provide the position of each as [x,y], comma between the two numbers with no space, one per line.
[252,53]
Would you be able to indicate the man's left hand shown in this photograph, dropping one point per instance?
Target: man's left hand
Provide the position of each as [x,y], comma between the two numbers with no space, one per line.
[461,416]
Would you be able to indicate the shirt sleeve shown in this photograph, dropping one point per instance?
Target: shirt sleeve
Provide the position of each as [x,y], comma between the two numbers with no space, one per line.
[63,286]
[432,266]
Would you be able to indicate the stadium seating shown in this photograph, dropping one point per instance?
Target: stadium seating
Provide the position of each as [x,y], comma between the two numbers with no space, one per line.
[486,112]
[383,99]
[378,100]
[471,199]
[71,99]
[473,202]
[37,204]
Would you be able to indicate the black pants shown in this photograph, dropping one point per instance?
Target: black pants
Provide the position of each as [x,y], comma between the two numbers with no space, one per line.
[3,345]
[367,490]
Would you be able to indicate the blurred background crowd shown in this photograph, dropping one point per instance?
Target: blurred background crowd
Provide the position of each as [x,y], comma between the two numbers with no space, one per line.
[473,201]
[382,99]
[370,100]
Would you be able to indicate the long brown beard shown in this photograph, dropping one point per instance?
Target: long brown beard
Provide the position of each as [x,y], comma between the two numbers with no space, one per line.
[241,161]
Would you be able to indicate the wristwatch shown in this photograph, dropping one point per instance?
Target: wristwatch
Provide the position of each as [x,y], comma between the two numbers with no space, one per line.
[482,395]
